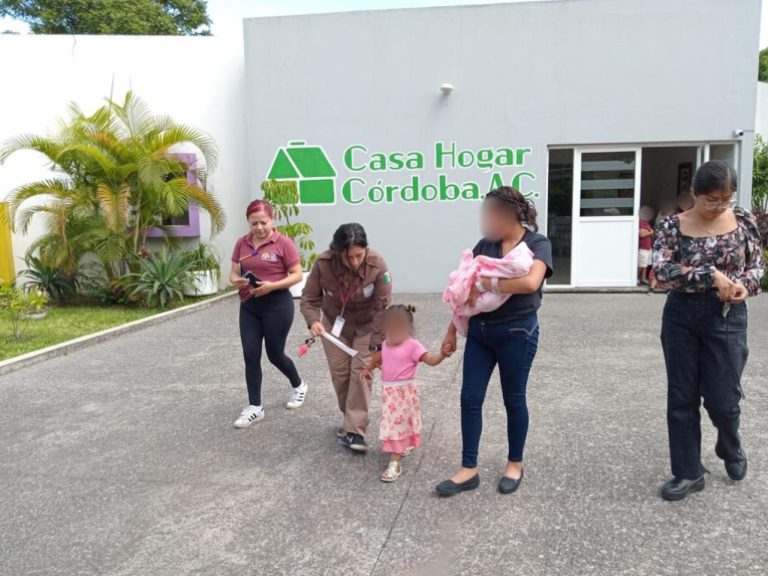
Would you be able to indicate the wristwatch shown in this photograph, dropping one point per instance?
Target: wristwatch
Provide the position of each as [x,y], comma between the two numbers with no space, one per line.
[374,348]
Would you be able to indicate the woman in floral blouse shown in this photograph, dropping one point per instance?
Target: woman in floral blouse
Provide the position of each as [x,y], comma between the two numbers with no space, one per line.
[711,260]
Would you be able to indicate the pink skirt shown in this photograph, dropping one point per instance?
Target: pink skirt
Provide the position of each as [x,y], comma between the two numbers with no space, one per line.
[400,417]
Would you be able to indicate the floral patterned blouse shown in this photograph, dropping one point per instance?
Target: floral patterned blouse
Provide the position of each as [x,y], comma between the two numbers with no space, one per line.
[687,264]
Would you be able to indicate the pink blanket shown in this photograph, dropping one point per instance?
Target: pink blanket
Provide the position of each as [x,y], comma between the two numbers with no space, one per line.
[515,264]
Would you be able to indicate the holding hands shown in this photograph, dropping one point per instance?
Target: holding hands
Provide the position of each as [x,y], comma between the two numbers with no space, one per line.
[366,374]
[449,342]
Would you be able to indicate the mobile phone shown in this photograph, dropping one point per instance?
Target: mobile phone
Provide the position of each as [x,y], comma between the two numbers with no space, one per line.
[252,280]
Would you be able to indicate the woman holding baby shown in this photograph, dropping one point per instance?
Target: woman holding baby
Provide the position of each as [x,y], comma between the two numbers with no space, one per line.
[507,337]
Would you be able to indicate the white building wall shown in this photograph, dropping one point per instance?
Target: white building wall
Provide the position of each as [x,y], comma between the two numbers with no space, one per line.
[526,75]
[198,81]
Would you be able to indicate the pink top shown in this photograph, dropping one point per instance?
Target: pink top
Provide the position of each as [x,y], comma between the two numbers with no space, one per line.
[270,262]
[399,363]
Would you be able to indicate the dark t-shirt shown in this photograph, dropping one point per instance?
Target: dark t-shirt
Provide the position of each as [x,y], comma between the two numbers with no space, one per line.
[518,304]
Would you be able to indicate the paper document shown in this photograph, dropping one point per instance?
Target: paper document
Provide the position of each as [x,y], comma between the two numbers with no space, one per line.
[339,344]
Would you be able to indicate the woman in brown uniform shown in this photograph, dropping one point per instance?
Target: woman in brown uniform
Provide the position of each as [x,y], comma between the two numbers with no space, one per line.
[346,294]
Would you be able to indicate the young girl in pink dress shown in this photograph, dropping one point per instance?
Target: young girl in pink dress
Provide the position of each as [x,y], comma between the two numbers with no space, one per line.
[401,354]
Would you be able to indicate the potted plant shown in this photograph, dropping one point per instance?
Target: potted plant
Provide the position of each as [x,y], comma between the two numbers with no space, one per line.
[204,269]
[33,301]
[283,196]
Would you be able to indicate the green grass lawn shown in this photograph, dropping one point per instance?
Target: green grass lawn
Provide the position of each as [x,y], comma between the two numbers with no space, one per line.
[65,323]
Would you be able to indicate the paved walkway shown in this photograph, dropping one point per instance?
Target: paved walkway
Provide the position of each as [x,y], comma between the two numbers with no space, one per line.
[121,460]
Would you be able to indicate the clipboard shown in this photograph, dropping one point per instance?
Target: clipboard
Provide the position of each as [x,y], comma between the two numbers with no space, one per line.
[339,344]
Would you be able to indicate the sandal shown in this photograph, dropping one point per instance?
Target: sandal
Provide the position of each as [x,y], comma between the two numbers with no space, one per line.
[392,472]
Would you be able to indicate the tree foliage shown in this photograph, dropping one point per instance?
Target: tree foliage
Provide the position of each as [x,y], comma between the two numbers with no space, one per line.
[760,174]
[131,17]
[762,71]
[283,196]
[114,179]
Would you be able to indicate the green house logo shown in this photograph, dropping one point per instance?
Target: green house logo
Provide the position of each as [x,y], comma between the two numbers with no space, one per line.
[310,168]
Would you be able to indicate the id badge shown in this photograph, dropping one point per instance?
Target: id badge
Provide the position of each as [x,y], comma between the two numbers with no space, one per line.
[338,326]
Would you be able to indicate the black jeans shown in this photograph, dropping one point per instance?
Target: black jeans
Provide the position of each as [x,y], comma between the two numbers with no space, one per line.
[512,345]
[266,319]
[705,353]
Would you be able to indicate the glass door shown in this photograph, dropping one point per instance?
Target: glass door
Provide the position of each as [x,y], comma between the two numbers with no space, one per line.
[560,213]
[728,151]
[606,197]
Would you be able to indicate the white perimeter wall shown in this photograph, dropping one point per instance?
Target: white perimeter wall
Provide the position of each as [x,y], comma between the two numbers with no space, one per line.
[198,81]
[761,123]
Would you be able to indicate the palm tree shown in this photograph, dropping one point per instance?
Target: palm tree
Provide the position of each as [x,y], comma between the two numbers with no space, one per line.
[116,178]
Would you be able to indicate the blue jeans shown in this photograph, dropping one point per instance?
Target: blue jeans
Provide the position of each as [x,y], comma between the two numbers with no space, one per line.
[512,345]
[705,354]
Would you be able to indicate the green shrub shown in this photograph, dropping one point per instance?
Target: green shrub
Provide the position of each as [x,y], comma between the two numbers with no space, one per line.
[52,280]
[765,276]
[17,305]
[760,174]
[109,292]
[161,279]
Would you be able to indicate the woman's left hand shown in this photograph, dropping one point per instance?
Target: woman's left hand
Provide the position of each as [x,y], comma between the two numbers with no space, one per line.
[487,283]
[474,293]
[739,294]
[262,289]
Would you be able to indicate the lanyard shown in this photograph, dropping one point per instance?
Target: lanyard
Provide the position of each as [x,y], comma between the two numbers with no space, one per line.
[346,295]
[255,252]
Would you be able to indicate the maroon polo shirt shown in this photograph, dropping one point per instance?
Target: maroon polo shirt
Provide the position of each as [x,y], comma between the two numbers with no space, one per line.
[269,262]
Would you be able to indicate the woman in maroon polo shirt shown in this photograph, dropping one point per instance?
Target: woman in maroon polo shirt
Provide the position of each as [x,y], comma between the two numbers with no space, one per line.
[273,263]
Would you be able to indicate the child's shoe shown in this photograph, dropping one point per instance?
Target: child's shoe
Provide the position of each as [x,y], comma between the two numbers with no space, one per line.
[392,472]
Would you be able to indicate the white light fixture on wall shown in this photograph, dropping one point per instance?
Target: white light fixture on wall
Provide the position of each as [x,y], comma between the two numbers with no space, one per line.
[446,89]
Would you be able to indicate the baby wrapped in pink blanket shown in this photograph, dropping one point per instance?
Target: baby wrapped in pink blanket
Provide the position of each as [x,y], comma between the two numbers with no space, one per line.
[516,264]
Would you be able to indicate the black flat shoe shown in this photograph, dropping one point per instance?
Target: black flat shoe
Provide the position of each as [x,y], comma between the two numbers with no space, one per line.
[679,488]
[509,485]
[451,488]
[737,468]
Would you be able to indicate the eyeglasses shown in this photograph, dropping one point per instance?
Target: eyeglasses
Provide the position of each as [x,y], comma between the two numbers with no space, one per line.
[720,204]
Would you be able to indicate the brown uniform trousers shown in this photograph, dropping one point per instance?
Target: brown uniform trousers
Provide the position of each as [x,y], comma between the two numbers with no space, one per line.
[321,301]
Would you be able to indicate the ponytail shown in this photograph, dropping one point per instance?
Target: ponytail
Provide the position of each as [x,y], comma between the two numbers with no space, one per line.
[405,310]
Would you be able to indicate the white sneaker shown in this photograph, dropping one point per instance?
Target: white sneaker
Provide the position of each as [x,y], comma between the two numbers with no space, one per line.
[298,395]
[249,415]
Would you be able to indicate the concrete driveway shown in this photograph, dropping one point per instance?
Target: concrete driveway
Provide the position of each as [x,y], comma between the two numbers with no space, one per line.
[120,459]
